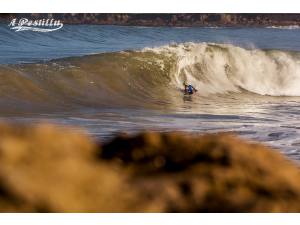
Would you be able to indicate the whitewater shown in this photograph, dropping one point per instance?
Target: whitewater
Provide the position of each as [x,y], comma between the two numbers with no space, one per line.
[110,79]
[222,68]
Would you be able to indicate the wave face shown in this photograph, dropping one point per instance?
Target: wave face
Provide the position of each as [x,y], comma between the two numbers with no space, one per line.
[151,77]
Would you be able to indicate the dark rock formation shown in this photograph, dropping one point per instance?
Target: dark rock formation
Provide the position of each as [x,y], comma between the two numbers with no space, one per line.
[210,173]
[52,169]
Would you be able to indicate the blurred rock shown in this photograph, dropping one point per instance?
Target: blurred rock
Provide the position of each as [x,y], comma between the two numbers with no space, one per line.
[210,173]
[52,169]
[47,168]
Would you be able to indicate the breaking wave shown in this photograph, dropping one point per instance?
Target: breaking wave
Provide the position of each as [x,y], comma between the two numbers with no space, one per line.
[288,27]
[149,77]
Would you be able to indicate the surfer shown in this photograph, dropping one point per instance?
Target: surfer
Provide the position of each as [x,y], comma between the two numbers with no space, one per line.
[189,89]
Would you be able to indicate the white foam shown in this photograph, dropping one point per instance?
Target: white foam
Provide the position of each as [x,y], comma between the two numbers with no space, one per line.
[221,68]
[289,27]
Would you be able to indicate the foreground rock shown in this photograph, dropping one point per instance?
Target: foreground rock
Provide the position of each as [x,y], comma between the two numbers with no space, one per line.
[53,169]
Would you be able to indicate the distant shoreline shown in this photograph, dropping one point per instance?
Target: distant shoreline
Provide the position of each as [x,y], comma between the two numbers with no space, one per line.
[167,19]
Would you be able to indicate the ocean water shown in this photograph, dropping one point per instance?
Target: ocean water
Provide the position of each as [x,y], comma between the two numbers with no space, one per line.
[112,79]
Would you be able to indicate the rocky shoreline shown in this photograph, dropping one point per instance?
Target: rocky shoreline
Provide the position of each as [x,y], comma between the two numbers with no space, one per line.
[167,19]
[46,168]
